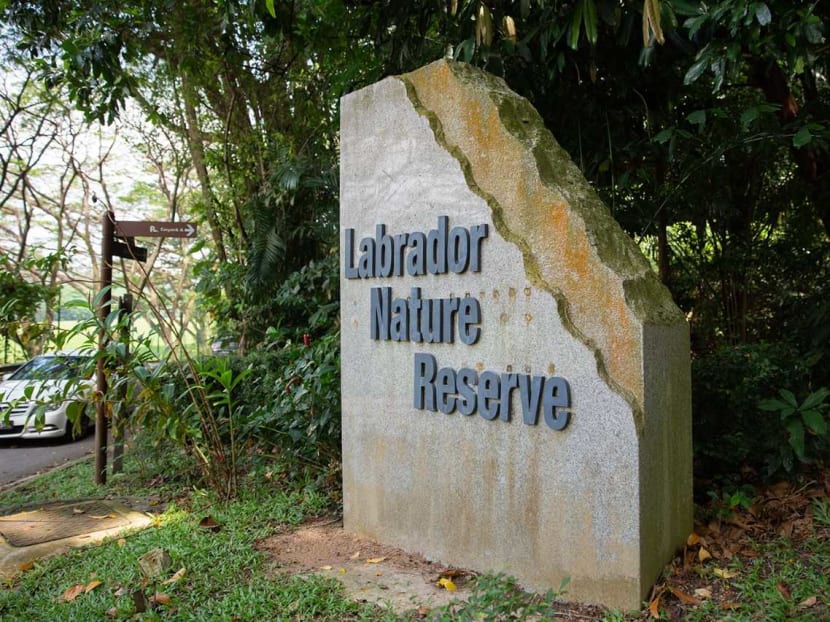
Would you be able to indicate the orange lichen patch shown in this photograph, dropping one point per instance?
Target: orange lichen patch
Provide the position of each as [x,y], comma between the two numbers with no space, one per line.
[579,252]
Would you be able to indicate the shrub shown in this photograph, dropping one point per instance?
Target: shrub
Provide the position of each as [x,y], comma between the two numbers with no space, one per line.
[730,430]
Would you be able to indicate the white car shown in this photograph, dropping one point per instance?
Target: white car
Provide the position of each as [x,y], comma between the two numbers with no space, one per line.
[35,399]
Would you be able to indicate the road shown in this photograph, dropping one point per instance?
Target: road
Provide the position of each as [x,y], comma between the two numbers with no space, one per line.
[19,459]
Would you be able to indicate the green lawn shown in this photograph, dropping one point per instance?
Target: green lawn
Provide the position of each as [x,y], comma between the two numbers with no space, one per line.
[226,577]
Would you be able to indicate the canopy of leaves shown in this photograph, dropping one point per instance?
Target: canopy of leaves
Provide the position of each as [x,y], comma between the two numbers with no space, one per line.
[704,126]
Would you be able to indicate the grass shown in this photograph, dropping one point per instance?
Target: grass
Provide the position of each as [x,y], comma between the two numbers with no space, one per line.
[226,577]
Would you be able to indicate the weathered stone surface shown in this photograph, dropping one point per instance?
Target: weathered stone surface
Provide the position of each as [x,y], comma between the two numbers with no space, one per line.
[563,292]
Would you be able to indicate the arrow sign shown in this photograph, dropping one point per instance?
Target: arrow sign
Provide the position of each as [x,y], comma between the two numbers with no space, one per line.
[129,250]
[154,229]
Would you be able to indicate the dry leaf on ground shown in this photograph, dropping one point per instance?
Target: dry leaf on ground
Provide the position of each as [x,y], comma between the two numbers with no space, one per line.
[375,560]
[160,598]
[703,592]
[154,562]
[447,584]
[684,598]
[92,585]
[209,523]
[176,576]
[73,592]
[808,602]
[654,606]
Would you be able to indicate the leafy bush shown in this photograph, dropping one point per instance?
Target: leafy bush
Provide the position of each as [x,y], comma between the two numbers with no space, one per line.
[292,401]
[807,429]
[729,428]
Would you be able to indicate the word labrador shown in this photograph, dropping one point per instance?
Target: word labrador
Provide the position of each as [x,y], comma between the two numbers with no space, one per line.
[440,251]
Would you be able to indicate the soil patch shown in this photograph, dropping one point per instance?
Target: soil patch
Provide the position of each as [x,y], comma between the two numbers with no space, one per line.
[369,571]
[727,541]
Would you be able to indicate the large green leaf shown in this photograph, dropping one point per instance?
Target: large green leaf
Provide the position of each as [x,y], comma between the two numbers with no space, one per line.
[796,430]
[814,420]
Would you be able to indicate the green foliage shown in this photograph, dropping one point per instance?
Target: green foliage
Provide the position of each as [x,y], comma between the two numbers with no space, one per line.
[729,429]
[293,402]
[226,574]
[23,297]
[731,500]
[498,596]
[805,423]
[193,402]
[758,582]
[821,512]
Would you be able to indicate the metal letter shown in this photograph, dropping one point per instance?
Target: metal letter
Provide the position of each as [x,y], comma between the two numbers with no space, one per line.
[424,382]
[466,381]
[446,390]
[557,395]
[351,271]
[488,393]
[379,298]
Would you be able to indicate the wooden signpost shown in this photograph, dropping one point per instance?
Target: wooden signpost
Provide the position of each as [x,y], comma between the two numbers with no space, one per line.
[127,231]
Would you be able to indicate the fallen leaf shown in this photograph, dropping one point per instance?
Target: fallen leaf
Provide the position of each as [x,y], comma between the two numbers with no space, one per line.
[378,574]
[210,524]
[692,539]
[703,555]
[684,598]
[654,606]
[342,570]
[447,584]
[355,556]
[121,591]
[154,563]
[783,590]
[77,511]
[375,560]
[724,573]
[730,604]
[140,601]
[112,613]
[176,576]
[92,585]
[786,529]
[73,592]
[703,592]
[122,542]
[160,598]
[102,516]
[422,612]
[325,567]
[807,602]
[26,566]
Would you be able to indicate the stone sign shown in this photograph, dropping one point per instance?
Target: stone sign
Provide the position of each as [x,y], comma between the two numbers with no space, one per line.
[515,379]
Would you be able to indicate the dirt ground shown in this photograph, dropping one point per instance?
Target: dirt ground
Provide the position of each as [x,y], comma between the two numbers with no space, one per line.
[390,577]
[370,572]
[382,575]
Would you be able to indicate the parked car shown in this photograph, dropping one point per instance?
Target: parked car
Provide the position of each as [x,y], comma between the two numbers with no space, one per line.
[36,399]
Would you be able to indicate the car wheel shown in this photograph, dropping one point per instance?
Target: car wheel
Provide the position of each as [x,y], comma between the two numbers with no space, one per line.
[71,434]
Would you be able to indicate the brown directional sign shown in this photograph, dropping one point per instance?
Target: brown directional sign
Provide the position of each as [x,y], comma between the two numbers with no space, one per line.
[129,250]
[154,229]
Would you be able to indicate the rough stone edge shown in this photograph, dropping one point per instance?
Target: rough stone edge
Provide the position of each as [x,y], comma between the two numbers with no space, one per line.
[639,281]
